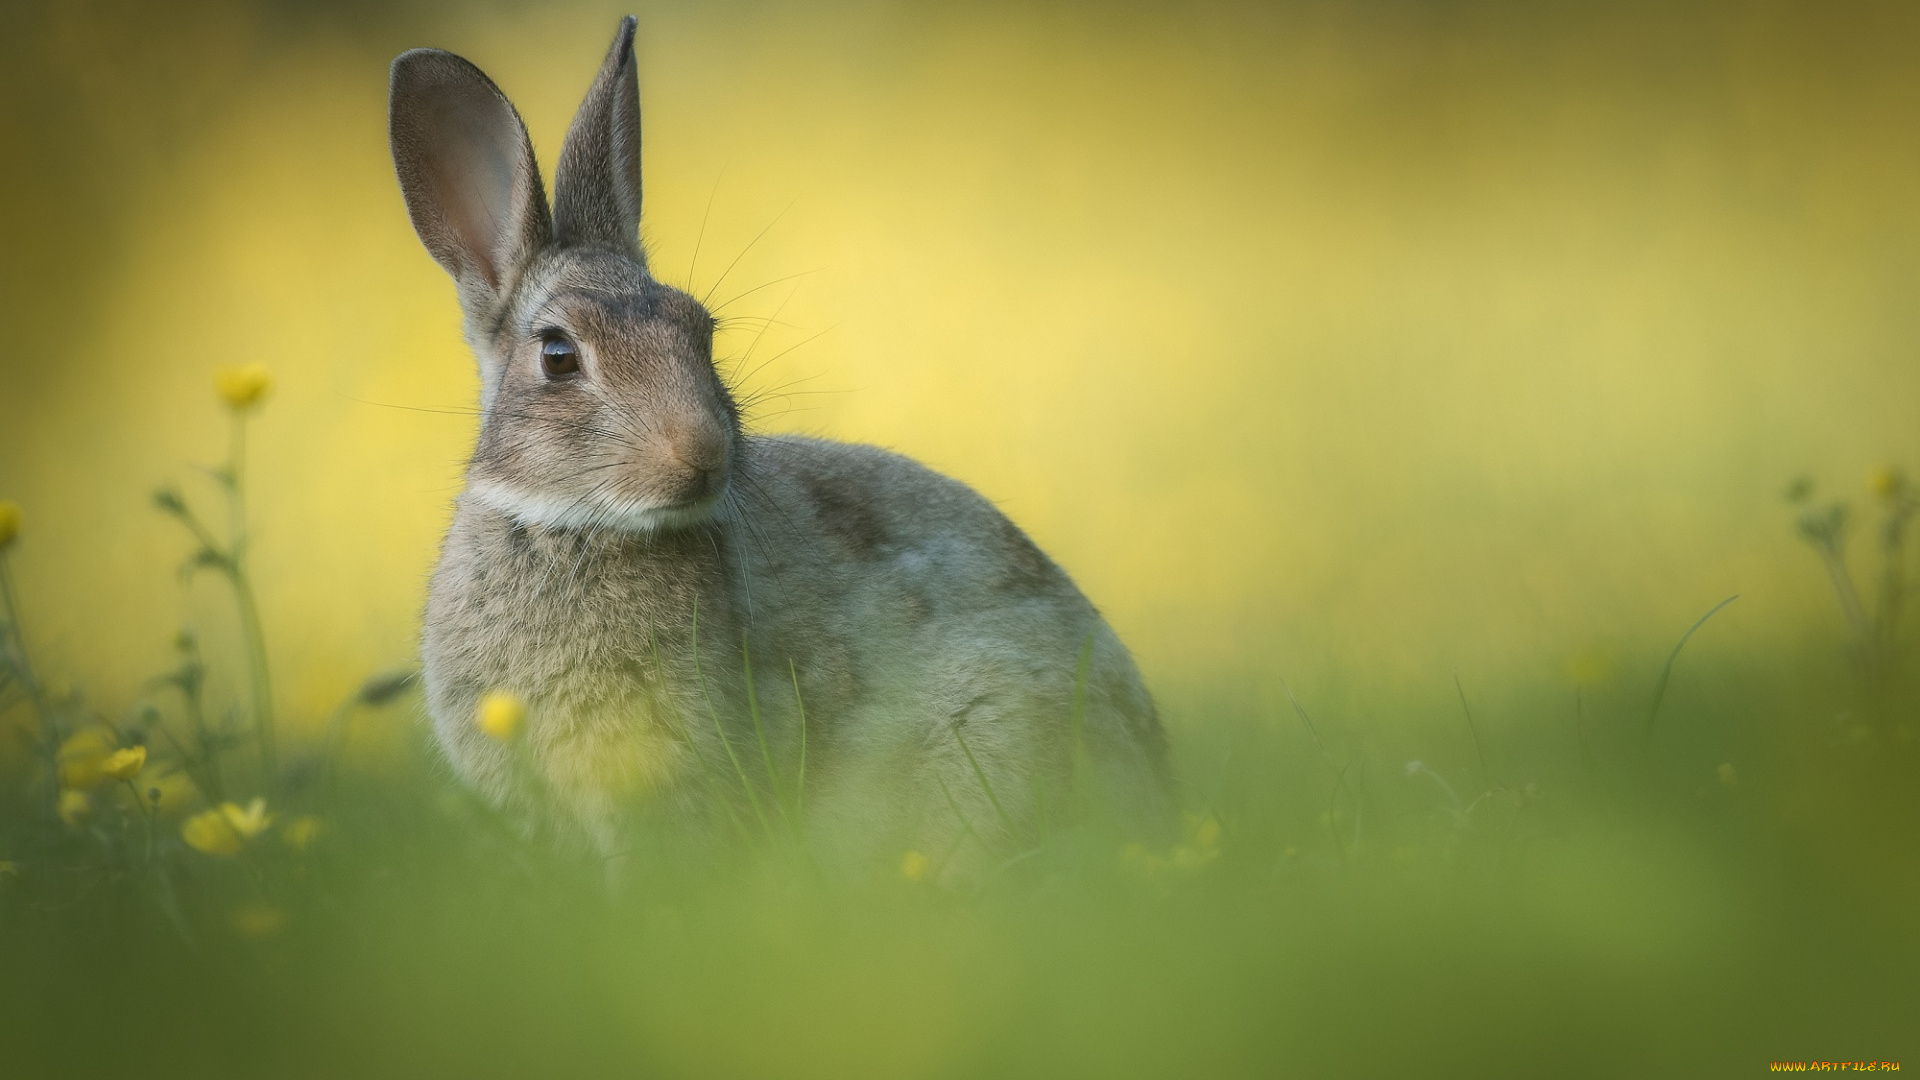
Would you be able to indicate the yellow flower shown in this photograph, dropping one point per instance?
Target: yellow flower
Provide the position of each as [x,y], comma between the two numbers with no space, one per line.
[1728,775]
[83,757]
[243,386]
[125,764]
[301,832]
[75,807]
[210,832]
[1202,846]
[250,822]
[1207,835]
[914,866]
[9,522]
[258,920]
[1887,481]
[502,714]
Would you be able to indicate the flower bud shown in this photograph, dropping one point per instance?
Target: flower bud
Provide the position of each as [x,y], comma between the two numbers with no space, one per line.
[1888,482]
[244,386]
[502,715]
[125,763]
[914,866]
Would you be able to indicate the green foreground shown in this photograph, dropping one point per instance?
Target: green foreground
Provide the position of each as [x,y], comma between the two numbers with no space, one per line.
[1623,913]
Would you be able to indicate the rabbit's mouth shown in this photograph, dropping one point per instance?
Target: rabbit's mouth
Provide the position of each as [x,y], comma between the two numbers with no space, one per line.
[616,514]
[679,515]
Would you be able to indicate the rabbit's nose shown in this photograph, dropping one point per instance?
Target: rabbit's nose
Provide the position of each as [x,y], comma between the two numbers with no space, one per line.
[700,452]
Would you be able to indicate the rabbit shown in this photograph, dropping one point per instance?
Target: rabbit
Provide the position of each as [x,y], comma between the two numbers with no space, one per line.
[707,623]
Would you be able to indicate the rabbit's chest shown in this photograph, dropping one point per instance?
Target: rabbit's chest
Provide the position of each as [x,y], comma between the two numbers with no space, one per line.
[604,635]
[590,626]
[591,649]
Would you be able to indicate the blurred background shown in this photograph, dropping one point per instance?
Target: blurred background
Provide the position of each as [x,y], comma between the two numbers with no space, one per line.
[1365,337]
[1415,354]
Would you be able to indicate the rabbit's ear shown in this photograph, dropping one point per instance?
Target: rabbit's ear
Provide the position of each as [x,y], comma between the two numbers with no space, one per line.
[596,188]
[467,171]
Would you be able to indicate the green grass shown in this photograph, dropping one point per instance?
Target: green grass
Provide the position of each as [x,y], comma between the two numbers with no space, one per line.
[1653,921]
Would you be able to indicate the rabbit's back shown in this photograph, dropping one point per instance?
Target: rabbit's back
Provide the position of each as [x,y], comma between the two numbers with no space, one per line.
[964,635]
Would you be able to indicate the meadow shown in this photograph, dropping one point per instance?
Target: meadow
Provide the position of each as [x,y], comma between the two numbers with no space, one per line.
[1487,426]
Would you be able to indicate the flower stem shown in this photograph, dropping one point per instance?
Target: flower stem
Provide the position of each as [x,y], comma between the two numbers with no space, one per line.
[18,647]
[197,719]
[16,643]
[256,641]
[1850,606]
[1893,579]
[147,813]
[257,666]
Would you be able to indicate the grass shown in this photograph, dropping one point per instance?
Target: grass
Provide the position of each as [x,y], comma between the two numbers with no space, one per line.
[1614,932]
[1738,893]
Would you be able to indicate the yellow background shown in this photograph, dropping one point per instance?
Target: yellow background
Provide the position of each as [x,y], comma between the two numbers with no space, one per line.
[1380,339]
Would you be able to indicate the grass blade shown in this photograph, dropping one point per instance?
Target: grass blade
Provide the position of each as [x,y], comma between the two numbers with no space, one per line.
[1006,822]
[677,726]
[760,734]
[966,827]
[800,785]
[1486,774]
[1666,672]
[746,785]
[1301,711]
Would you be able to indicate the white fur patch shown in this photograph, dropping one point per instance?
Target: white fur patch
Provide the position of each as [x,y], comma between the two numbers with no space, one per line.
[553,512]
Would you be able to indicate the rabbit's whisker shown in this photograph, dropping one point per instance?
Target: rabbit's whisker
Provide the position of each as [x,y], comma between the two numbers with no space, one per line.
[751,345]
[743,253]
[781,388]
[746,582]
[803,341]
[584,428]
[716,308]
[627,418]
[730,508]
[694,263]
[753,481]
[589,533]
[726,323]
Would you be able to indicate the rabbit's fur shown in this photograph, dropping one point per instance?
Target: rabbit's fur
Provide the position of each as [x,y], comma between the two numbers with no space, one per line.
[623,551]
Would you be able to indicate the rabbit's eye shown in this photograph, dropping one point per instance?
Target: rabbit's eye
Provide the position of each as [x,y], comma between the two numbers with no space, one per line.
[558,357]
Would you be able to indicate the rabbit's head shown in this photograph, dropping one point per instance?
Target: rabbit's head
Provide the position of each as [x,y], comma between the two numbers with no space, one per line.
[600,403]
